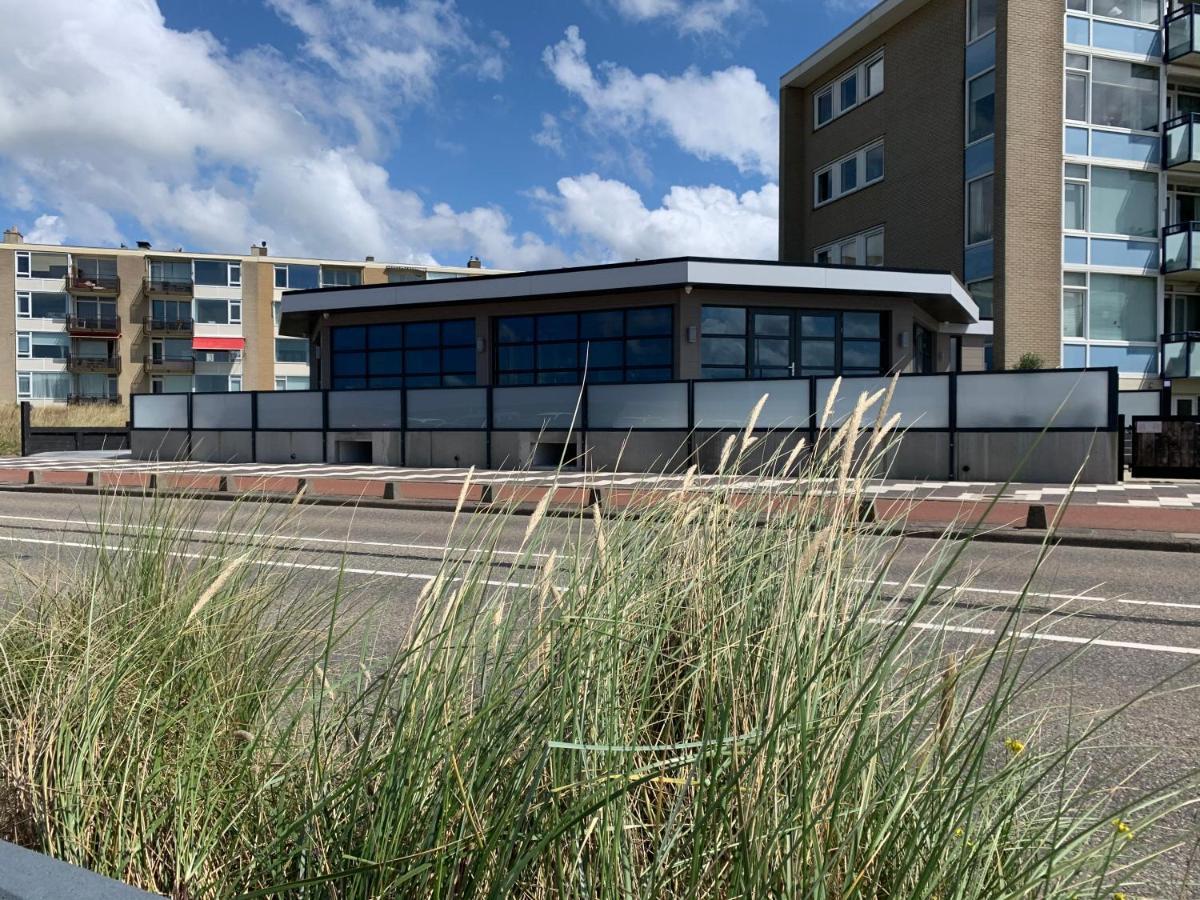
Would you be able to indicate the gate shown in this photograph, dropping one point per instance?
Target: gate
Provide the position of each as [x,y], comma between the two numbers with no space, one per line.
[1166,447]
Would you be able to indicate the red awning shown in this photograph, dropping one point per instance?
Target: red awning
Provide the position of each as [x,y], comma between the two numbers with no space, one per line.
[218,343]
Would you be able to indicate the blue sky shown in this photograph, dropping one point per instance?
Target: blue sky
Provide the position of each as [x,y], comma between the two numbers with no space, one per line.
[531,133]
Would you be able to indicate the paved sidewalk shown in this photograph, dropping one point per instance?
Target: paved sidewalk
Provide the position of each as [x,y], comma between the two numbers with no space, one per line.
[1160,507]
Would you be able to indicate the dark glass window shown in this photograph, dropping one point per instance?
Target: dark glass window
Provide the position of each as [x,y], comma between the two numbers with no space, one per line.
[776,343]
[612,345]
[419,354]
[212,271]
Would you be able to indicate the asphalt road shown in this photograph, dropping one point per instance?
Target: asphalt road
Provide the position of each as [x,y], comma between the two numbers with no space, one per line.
[1125,622]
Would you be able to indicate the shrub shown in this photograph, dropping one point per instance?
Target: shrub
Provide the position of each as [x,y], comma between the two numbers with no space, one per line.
[1029,362]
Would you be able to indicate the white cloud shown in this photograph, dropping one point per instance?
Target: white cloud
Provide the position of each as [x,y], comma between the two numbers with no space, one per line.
[849,6]
[694,17]
[550,135]
[104,110]
[613,222]
[727,115]
[47,230]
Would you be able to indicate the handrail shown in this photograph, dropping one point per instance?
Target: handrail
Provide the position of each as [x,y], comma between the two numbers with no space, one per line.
[106,283]
[1180,227]
[153,323]
[94,323]
[1181,119]
[1185,9]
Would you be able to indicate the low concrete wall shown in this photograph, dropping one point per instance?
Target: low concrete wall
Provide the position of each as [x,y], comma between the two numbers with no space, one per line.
[1056,458]
[147,443]
[289,446]
[520,449]
[641,451]
[385,447]
[446,449]
[223,446]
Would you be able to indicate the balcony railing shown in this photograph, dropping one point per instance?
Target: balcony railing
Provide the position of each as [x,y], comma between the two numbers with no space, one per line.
[81,283]
[1183,35]
[94,399]
[169,327]
[100,325]
[169,364]
[176,286]
[1181,149]
[84,365]
[1181,354]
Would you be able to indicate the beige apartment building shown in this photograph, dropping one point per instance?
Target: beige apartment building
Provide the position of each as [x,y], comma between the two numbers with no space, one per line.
[1044,151]
[94,325]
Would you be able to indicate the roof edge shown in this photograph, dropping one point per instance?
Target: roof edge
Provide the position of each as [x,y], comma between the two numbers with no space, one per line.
[872,24]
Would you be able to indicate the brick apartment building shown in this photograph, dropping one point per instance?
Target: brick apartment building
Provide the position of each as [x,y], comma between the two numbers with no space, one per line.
[94,325]
[1045,151]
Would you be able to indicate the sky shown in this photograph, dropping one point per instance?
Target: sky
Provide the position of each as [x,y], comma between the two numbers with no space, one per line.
[531,133]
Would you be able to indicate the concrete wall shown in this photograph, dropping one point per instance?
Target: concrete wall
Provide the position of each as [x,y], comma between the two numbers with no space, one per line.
[8,326]
[1056,457]
[223,446]
[446,449]
[289,446]
[385,447]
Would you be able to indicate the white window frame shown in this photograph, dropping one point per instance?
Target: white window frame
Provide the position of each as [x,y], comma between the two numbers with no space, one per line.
[1087,222]
[280,383]
[235,383]
[24,256]
[27,338]
[1088,74]
[235,312]
[834,169]
[24,304]
[862,91]
[235,280]
[834,249]
[1087,310]
[972,7]
[24,386]
[278,286]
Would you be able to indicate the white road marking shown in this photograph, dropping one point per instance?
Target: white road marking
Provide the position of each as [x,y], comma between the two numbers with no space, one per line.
[1039,636]
[1040,595]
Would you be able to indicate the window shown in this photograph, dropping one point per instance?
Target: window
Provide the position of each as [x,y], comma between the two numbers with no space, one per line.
[983,293]
[291,382]
[1183,312]
[43,386]
[864,249]
[39,305]
[297,277]
[1074,317]
[394,355]
[23,265]
[334,277]
[291,350]
[166,271]
[979,210]
[24,340]
[235,312]
[171,310]
[1143,11]
[1122,201]
[848,90]
[981,18]
[981,107]
[854,172]
[1075,198]
[1124,94]
[171,350]
[923,350]
[614,345]
[737,343]
[217,384]
[96,271]
[49,345]
[211,311]
[1075,106]
[47,265]
[235,382]
[218,272]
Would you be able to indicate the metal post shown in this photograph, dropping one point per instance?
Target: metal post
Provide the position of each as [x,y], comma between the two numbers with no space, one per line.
[26,417]
[952,432]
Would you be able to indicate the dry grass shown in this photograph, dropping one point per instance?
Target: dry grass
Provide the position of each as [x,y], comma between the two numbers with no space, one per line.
[57,416]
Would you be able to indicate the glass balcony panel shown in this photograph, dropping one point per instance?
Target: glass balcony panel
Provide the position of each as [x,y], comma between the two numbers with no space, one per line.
[1175,252]
[1175,362]
[1182,146]
[1181,35]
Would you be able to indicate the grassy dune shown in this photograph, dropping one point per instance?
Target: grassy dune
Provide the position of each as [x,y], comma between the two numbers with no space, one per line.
[57,416]
[713,699]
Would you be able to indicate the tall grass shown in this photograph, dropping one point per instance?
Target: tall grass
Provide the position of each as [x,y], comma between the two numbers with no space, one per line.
[703,696]
[55,416]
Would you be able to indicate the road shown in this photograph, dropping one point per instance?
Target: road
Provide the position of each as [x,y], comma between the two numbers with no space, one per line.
[1129,621]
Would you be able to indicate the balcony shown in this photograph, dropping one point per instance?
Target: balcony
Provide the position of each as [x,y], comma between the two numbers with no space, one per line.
[173,287]
[94,326]
[168,327]
[1181,149]
[169,365]
[92,285]
[1183,36]
[93,399]
[1181,355]
[88,365]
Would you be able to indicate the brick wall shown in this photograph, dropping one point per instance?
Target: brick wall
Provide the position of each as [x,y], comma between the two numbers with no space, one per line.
[1028,226]
[920,116]
[8,326]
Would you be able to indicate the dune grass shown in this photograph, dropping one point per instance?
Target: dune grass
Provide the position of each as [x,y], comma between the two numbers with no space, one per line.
[707,696]
[55,416]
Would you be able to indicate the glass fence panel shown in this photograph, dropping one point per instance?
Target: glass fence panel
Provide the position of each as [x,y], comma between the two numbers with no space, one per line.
[923,401]
[1033,400]
[1193,359]
[160,410]
[1175,359]
[290,410]
[551,406]
[638,406]
[728,404]
[1175,248]
[218,411]
[1177,145]
[365,410]
[1138,403]
[440,409]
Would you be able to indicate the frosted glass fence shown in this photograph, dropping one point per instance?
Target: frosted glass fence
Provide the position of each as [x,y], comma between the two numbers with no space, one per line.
[553,407]
[729,404]
[160,410]
[366,410]
[1034,400]
[922,401]
[455,409]
[291,411]
[222,412]
[654,406]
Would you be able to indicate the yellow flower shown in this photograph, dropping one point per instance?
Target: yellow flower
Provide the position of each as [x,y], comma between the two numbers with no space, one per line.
[1014,746]
[1122,827]
[958,832]
[1120,895]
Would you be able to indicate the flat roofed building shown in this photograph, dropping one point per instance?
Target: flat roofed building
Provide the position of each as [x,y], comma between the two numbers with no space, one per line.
[96,324]
[1042,150]
[648,321]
